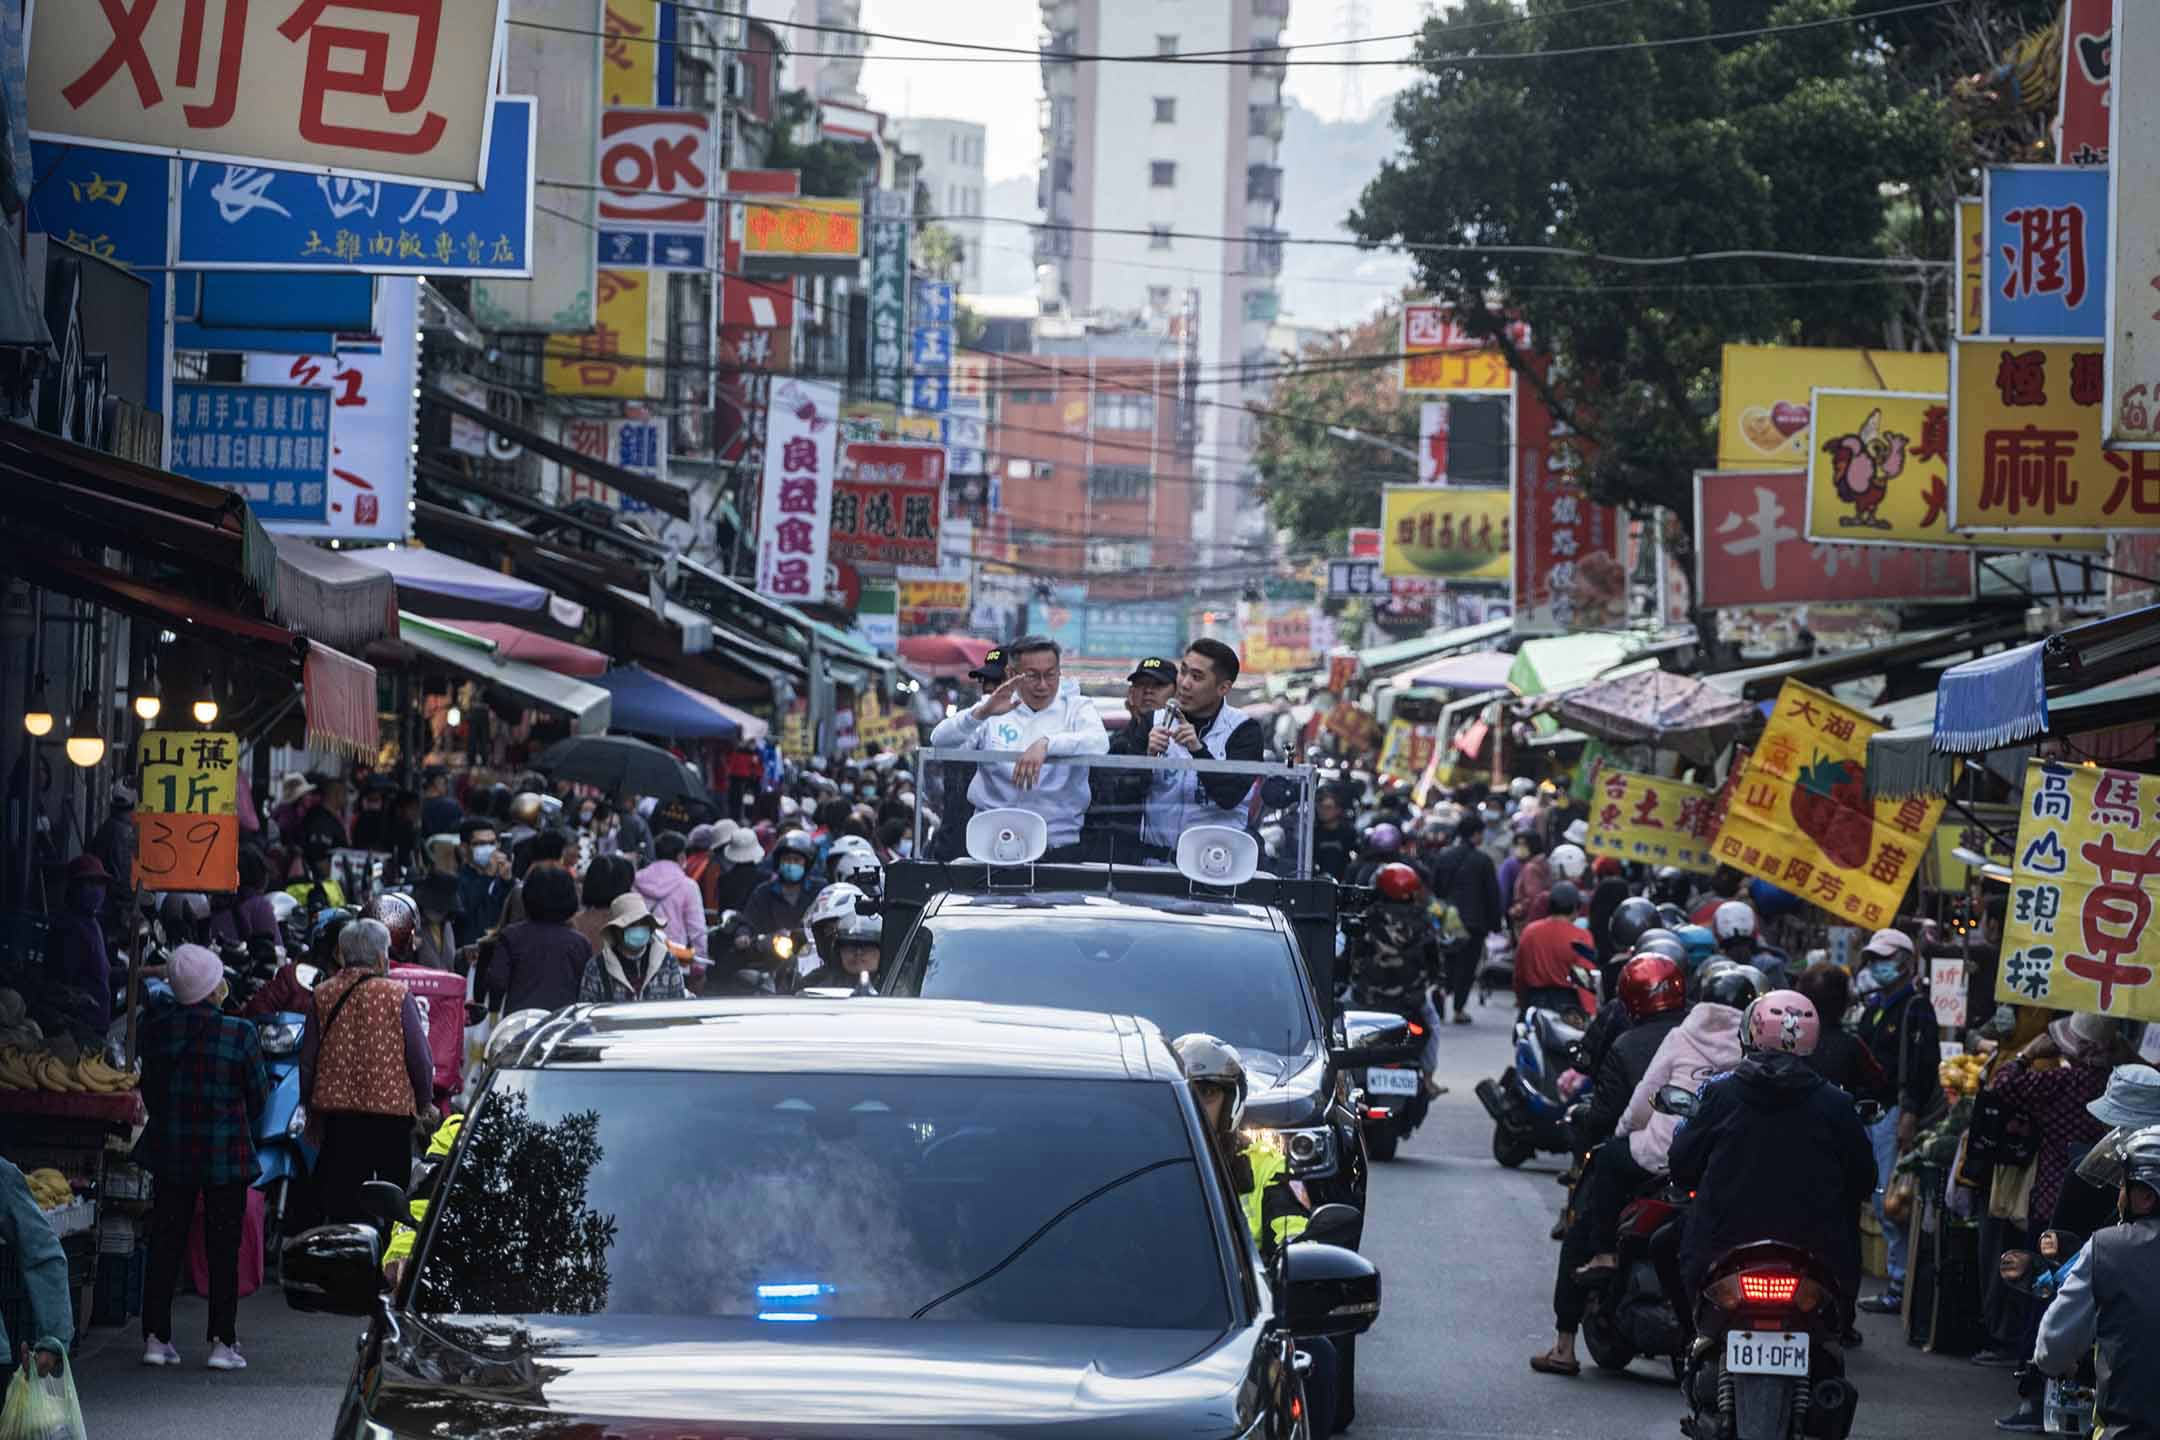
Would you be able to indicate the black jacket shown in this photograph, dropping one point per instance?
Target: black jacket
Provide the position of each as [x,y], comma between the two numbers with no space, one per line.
[1903,1029]
[1625,1062]
[1774,1152]
[1603,901]
[1245,742]
[1842,1060]
[537,966]
[1116,798]
[1333,845]
[1465,877]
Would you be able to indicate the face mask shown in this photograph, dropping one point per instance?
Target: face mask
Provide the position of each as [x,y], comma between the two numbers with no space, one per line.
[481,854]
[636,938]
[848,790]
[91,898]
[1883,972]
[791,871]
[585,817]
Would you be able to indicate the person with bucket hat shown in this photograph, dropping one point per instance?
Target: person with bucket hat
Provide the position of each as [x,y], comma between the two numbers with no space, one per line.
[204,1086]
[735,870]
[633,962]
[2087,1198]
[75,953]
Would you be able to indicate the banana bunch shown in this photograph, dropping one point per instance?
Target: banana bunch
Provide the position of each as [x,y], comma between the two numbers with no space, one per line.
[1961,1074]
[15,1071]
[42,1070]
[50,1189]
[99,1076]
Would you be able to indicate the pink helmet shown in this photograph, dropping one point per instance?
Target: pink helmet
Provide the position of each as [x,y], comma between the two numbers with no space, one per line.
[1781,1022]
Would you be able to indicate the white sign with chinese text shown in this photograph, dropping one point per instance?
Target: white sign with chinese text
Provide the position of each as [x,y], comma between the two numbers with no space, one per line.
[371,379]
[802,429]
[2130,414]
[391,89]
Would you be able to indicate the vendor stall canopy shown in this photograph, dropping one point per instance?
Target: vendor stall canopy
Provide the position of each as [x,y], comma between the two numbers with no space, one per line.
[1563,662]
[1998,700]
[1658,708]
[433,582]
[650,704]
[588,706]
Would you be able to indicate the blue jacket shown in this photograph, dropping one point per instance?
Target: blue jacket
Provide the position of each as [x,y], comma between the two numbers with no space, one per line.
[31,1244]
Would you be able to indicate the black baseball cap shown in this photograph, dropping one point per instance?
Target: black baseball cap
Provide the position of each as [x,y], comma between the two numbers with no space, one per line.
[1154,670]
[992,670]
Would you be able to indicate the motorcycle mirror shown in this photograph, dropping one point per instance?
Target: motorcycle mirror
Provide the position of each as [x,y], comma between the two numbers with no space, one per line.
[1676,1100]
[1332,1225]
[2022,1270]
[2056,1246]
[384,1201]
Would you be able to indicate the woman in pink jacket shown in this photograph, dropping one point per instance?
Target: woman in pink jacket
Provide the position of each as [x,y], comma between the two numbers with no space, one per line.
[675,898]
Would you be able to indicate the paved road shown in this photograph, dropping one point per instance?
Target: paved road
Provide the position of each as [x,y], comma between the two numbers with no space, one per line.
[1469,1277]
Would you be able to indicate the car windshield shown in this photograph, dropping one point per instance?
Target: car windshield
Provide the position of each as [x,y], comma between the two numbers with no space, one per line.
[1240,984]
[793,1198]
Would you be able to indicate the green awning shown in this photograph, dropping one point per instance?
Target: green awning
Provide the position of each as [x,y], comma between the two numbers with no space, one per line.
[1382,660]
[1562,662]
[588,706]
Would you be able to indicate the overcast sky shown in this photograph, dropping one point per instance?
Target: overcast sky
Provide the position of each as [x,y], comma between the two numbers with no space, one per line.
[1003,97]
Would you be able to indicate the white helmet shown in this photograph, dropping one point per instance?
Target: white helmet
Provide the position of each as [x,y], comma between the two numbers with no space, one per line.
[1520,786]
[851,845]
[1733,919]
[850,865]
[831,903]
[1569,862]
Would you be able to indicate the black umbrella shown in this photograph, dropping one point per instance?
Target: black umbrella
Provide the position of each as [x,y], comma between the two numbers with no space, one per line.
[620,765]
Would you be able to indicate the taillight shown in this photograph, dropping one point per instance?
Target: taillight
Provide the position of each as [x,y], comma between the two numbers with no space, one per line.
[1377,1112]
[1781,1289]
[1768,1287]
[1416,1029]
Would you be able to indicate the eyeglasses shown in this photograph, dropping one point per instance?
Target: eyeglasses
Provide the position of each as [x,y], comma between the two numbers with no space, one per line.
[1040,677]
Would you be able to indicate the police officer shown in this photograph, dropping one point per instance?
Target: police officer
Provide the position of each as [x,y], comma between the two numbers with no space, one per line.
[2111,1298]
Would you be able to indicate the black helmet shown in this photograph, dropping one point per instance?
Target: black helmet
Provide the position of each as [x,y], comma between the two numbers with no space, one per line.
[1659,932]
[1666,945]
[1633,916]
[1669,886]
[1734,985]
[1672,917]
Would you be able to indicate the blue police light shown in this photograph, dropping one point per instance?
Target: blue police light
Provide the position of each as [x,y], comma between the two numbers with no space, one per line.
[793,1316]
[792,1292]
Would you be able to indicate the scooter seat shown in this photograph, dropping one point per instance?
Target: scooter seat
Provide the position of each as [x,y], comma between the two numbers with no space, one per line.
[1554,1034]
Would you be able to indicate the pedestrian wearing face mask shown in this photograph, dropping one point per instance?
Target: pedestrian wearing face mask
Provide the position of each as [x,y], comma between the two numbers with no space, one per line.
[483,880]
[776,908]
[75,941]
[1897,1024]
[634,962]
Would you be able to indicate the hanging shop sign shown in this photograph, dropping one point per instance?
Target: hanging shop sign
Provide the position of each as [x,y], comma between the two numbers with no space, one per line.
[887,503]
[1648,820]
[2090,41]
[657,167]
[887,348]
[2079,933]
[269,443]
[187,824]
[1568,574]
[1407,749]
[802,236]
[1764,392]
[1799,815]
[2130,413]
[1968,302]
[640,445]
[1751,548]
[611,358]
[237,217]
[1878,474]
[1277,637]
[1450,533]
[795,505]
[391,91]
[2025,449]
[2047,251]
[1439,357]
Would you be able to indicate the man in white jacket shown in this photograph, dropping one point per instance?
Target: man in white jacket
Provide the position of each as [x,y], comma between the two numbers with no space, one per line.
[1027,713]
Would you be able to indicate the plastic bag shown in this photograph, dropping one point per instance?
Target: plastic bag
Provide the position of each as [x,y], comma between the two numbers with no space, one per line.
[42,1409]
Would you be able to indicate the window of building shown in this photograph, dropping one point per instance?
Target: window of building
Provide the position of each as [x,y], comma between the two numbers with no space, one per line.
[1162,173]
[1124,411]
[1118,482]
[1166,45]
[1166,109]
[1158,296]
[1158,237]
[1029,397]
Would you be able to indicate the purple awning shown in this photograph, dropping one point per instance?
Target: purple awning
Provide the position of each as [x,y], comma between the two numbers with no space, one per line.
[462,588]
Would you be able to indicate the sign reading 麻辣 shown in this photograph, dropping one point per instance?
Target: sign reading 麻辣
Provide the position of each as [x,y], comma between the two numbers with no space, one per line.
[268,443]
[2079,933]
[2025,448]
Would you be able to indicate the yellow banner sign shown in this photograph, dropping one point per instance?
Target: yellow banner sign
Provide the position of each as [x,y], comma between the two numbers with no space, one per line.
[189,772]
[1440,358]
[1879,474]
[1766,390]
[1650,820]
[1800,817]
[1445,532]
[1972,268]
[795,731]
[2079,934]
[1407,750]
[933,594]
[2025,443]
[877,728]
[611,358]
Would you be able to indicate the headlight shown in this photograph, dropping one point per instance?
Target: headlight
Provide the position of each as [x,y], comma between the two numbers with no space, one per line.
[279,1039]
[1311,1152]
[784,946]
[296,1126]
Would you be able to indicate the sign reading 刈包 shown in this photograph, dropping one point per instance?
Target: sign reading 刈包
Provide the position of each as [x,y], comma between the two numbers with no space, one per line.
[2087,870]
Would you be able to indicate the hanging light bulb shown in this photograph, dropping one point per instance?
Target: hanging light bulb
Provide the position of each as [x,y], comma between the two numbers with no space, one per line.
[454,717]
[85,742]
[38,717]
[205,710]
[148,703]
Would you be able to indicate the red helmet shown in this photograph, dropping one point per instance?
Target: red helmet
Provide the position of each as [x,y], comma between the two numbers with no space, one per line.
[1398,882]
[400,917]
[1651,984]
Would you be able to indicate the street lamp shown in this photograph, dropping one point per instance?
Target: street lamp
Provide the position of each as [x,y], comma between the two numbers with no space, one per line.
[205,709]
[1358,437]
[37,716]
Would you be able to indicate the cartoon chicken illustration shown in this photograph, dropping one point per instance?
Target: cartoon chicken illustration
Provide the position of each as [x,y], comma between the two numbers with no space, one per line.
[1864,465]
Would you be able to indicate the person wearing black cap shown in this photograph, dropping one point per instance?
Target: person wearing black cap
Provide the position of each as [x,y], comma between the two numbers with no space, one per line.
[1112,828]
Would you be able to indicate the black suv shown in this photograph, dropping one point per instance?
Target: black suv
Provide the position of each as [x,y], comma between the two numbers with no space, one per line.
[816,1218]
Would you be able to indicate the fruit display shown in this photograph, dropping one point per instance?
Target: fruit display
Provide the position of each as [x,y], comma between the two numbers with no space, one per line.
[1961,1075]
[50,1189]
[42,1069]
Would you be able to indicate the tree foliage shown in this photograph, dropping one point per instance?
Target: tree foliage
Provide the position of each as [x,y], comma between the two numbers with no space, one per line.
[1318,485]
[830,170]
[1803,141]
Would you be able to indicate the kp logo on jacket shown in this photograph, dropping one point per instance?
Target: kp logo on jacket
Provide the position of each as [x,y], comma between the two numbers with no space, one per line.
[1008,737]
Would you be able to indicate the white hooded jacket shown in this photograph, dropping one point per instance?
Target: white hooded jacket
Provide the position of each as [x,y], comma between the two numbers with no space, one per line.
[1072,726]
[1707,1043]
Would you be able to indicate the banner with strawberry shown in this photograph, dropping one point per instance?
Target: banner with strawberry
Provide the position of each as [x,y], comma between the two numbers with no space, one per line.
[1800,818]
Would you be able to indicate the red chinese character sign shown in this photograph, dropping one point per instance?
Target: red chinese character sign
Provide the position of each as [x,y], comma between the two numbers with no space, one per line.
[2088,67]
[2025,449]
[1751,549]
[886,504]
[396,89]
[2079,935]
[795,506]
[1568,574]
[1799,816]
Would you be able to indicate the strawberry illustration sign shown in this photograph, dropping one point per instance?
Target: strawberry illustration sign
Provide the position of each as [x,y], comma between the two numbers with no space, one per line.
[1800,817]
[2087,870]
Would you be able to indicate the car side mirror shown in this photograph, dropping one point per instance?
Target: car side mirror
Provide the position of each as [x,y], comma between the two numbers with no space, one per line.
[1328,1290]
[333,1270]
[1675,1100]
[1333,1225]
[382,1201]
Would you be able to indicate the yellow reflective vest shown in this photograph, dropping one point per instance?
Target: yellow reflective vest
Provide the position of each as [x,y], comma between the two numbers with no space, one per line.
[438,1150]
[1268,1164]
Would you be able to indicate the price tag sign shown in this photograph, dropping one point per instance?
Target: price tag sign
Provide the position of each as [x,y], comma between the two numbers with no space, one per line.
[187,827]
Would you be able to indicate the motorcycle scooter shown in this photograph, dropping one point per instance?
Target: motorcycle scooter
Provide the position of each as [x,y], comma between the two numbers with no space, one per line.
[1528,1112]
[284,1160]
[1392,1100]
[1626,1312]
[2067,1401]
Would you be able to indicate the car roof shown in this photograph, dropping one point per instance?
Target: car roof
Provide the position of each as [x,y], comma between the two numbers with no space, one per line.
[1150,909]
[860,1035]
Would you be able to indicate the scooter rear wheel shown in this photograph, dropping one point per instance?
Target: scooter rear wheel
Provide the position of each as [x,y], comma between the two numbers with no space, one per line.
[1381,1140]
[1511,1149]
[1603,1342]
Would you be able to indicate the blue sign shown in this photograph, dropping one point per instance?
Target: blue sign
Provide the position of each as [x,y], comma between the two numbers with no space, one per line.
[109,202]
[264,301]
[928,394]
[965,438]
[271,443]
[2047,242]
[626,249]
[246,217]
[933,302]
[930,348]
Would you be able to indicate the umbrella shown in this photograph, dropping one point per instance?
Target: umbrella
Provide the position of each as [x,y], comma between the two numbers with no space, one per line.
[619,765]
[1657,707]
[943,657]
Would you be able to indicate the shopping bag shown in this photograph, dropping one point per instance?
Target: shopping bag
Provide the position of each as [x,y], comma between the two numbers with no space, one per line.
[38,1408]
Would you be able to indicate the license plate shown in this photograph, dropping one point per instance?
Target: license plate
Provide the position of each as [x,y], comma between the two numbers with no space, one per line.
[1766,1352]
[1392,1082]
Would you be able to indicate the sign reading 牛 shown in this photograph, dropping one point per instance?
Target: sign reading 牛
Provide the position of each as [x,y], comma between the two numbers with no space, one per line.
[187,829]
[2025,443]
[1799,816]
[887,503]
[1439,357]
[396,89]
[2130,413]
[1751,549]
[795,506]
[2087,871]
[1650,821]
[1567,547]
[2047,251]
